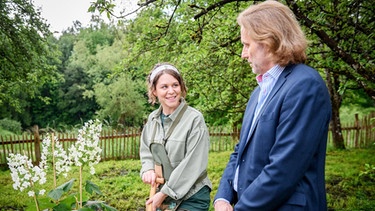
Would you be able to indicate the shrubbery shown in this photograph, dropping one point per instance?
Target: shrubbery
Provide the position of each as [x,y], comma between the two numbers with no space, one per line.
[11,125]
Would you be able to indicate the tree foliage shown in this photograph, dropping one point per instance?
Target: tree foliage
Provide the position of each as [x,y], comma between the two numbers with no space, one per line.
[344,30]
[120,102]
[27,59]
[94,55]
[206,51]
[202,39]
[100,71]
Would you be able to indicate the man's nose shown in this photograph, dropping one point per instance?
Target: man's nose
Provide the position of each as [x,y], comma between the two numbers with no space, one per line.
[244,54]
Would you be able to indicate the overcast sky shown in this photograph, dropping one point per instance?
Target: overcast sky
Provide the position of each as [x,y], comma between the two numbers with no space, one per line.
[61,14]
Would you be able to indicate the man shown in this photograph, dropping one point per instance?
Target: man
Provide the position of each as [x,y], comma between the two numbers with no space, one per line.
[279,162]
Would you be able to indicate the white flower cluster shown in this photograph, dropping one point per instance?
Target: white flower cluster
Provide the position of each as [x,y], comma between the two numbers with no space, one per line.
[62,162]
[24,174]
[46,143]
[86,150]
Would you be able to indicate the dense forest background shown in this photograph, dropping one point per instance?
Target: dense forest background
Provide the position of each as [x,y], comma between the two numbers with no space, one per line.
[99,71]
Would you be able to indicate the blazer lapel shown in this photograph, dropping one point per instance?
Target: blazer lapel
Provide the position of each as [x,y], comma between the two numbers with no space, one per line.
[247,120]
[279,83]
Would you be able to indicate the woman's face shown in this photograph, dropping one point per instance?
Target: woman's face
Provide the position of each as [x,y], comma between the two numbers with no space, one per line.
[168,92]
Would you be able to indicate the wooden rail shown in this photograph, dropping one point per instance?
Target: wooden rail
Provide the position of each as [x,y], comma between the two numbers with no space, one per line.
[124,144]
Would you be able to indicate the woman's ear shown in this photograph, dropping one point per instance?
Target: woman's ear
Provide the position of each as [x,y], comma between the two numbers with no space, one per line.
[154,93]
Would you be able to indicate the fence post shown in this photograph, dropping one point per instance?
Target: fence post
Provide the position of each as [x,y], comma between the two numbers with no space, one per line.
[357,131]
[37,144]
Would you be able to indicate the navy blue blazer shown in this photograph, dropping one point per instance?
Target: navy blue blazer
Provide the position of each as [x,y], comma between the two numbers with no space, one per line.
[281,165]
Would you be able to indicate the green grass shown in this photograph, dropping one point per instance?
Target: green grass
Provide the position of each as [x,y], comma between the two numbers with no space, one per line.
[122,187]
[346,189]
[4,132]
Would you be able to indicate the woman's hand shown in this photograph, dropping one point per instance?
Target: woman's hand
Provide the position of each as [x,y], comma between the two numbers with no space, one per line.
[149,177]
[156,200]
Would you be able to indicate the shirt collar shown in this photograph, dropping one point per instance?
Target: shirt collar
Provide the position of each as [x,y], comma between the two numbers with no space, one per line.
[172,115]
[274,72]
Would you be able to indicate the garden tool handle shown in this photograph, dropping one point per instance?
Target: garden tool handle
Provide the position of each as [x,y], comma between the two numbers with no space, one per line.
[159,180]
[153,191]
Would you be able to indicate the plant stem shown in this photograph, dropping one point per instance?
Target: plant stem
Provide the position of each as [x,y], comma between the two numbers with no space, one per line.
[36,202]
[33,188]
[80,187]
[53,160]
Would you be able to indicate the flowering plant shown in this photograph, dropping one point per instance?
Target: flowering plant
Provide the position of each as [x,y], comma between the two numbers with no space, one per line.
[85,152]
[25,175]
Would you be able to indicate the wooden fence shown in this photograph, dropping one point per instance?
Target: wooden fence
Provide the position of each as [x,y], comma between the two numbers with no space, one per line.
[119,145]
[359,134]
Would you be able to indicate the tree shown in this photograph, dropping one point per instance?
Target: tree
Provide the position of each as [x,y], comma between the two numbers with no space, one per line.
[27,60]
[207,61]
[202,38]
[57,112]
[120,102]
[344,36]
[96,83]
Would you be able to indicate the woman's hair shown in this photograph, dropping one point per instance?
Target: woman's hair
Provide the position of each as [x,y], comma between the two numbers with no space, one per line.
[158,70]
[274,25]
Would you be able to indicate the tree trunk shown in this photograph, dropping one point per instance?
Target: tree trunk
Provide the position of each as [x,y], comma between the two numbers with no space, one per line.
[338,140]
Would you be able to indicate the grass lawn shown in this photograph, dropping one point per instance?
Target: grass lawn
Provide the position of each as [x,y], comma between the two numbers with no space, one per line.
[122,188]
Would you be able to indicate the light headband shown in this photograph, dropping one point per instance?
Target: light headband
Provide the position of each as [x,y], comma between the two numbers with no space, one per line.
[161,68]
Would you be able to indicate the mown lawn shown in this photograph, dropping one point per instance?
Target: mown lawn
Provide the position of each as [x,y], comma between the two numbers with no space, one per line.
[122,187]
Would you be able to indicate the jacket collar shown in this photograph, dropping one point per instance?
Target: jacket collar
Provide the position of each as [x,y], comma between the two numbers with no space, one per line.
[173,115]
[279,83]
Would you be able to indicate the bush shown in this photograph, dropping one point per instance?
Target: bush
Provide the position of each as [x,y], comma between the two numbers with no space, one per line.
[11,125]
[368,173]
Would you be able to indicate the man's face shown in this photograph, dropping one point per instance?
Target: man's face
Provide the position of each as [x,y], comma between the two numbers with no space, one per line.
[255,53]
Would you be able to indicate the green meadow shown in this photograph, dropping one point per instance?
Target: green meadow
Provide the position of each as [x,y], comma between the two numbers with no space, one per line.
[350,178]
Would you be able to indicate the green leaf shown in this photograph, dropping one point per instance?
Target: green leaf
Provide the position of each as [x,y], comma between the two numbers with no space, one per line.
[85,209]
[45,203]
[59,191]
[69,201]
[62,207]
[94,205]
[99,205]
[31,207]
[108,208]
[67,186]
[56,194]
[91,187]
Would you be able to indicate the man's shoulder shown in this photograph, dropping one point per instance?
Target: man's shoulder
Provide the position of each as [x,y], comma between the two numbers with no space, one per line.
[299,67]
[301,71]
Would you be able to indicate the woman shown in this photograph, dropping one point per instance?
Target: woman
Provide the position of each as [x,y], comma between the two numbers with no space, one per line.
[181,131]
